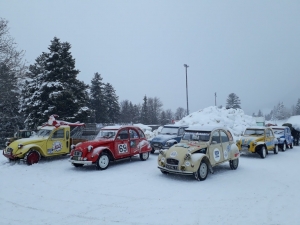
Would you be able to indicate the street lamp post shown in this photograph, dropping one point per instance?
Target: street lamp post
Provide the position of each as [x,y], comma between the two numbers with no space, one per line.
[187,98]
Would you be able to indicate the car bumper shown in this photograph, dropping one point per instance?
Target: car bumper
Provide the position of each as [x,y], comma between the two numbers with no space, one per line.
[81,162]
[175,171]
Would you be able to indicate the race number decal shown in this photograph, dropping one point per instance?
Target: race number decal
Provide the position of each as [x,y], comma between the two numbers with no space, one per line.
[217,155]
[122,148]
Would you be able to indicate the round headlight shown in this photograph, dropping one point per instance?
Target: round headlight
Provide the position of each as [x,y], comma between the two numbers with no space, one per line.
[162,159]
[187,163]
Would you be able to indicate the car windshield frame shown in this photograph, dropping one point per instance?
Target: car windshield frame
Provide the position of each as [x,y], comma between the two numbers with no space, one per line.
[200,136]
[169,130]
[254,131]
[106,134]
[43,132]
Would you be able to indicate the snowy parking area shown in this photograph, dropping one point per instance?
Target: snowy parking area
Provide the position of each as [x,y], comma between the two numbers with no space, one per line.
[260,191]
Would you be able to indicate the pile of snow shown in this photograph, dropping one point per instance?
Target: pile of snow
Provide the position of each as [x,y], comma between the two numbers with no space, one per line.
[147,130]
[233,119]
[295,121]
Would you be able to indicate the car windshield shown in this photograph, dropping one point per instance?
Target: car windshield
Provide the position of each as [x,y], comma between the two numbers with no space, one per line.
[254,132]
[43,132]
[278,131]
[106,134]
[169,130]
[196,136]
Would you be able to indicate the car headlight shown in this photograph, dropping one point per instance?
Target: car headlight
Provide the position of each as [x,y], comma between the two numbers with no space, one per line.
[187,156]
[254,143]
[162,152]
[20,146]
[162,159]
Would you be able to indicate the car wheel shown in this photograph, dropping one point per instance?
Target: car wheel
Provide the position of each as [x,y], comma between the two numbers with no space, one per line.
[144,156]
[234,164]
[276,149]
[202,171]
[152,151]
[32,157]
[103,161]
[263,152]
[77,164]
[164,172]
[283,147]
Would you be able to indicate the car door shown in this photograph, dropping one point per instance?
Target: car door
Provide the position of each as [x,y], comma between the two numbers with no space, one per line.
[215,148]
[56,144]
[270,142]
[225,144]
[122,147]
[134,141]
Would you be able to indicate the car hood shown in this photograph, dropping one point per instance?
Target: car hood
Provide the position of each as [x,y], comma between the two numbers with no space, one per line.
[181,149]
[27,141]
[163,138]
[94,143]
[246,140]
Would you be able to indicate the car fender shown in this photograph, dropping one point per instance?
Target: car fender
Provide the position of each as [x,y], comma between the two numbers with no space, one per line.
[196,159]
[22,151]
[97,151]
[233,151]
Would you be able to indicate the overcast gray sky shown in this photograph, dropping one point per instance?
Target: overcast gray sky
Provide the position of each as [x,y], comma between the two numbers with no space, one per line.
[250,48]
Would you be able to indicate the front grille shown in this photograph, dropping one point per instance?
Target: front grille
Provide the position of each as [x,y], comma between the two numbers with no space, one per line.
[156,145]
[77,153]
[172,161]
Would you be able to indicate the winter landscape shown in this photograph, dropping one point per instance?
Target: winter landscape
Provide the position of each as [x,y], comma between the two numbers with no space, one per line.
[131,191]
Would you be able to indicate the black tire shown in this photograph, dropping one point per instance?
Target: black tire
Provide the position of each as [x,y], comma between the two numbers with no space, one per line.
[202,171]
[152,151]
[283,147]
[262,152]
[144,156]
[103,161]
[276,149]
[164,172]
[32,157]
[77,164]
[234,163]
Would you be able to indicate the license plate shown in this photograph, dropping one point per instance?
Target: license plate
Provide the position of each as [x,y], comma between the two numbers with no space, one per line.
[75,157]
[245,148]
[171,167]
[156,148]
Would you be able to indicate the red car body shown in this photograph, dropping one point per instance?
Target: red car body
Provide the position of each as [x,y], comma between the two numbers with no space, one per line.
[112,143]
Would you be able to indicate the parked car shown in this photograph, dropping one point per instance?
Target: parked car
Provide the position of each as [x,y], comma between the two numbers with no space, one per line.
[169,135]
[258,140]
[284,137]
[111,143]
[200,149]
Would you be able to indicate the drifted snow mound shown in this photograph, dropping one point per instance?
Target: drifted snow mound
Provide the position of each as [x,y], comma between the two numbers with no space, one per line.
[295,121]
[234,119]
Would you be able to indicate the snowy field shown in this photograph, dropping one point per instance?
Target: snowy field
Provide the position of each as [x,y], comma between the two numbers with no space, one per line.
[261,191]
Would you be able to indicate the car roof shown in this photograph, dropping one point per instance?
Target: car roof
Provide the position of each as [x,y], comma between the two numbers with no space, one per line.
[173,125]
[117,127]
[204,128]
[257,127]
[279,127]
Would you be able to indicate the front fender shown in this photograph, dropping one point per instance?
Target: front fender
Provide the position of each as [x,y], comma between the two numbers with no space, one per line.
[196,159]
[97,151]
[22,151]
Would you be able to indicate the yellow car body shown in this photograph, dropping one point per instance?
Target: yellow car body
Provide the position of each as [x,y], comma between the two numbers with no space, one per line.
[200,149]
[258,140]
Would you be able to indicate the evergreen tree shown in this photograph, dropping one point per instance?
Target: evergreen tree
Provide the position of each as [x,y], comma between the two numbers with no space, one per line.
[260,114]
[111,103]
[9,117]
[55,87]
[154,109]
[97,99]
[144,112]
[163,118]
[169,116]
[297,108]
[233,101]
[125,116]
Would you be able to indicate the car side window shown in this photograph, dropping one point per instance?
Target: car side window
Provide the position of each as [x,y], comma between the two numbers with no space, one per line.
[141,134]
[224,137]
[123,134]
[215,138]
[58,134]
[133,134]
[268,133]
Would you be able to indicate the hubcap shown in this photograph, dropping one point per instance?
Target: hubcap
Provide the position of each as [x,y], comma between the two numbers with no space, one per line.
[33,158]
[203,170]
[145,155]
[103,161]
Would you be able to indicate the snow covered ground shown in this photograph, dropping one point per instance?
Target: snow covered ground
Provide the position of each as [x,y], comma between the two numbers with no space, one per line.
[133,192]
